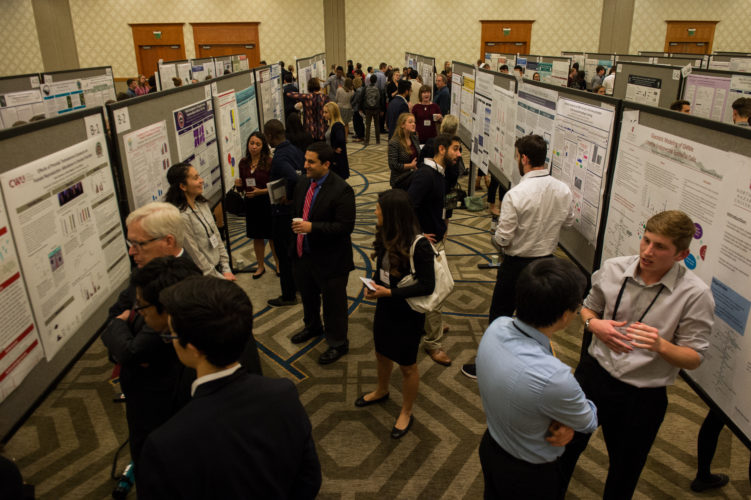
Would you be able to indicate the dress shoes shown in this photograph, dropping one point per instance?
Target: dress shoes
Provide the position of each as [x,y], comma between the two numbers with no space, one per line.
[304,335]
[256,276]
[439,356]
[280,302]
[708,483]
[398,433]
[332,354]
[362,402]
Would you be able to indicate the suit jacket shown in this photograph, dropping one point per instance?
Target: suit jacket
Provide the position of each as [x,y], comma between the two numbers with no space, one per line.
[241,436]
[397,106]
[333,218]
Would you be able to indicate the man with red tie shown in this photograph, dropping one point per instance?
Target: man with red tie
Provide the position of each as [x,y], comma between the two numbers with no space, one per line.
[324,211]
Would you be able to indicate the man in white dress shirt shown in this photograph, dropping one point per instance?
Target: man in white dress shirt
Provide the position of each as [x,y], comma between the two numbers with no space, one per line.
[532,215]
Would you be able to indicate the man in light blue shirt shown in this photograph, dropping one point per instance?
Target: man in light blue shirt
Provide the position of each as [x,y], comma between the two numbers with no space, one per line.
[532,401]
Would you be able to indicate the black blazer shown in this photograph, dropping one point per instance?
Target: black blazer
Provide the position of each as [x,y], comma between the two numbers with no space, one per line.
[338,139]
[241,436]
[333,218]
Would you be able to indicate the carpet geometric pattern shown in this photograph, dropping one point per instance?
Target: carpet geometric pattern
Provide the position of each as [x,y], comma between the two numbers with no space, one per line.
[65,448]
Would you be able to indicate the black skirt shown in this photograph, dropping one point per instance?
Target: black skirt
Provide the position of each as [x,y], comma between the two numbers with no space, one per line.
[397,330]
[258,217]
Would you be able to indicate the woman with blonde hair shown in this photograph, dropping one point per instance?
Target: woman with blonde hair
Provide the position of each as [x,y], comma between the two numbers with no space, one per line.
[337,139]
[404,147]
[344,101]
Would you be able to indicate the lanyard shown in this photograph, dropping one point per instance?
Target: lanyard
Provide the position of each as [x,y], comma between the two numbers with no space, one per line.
[620,294]
[200,219]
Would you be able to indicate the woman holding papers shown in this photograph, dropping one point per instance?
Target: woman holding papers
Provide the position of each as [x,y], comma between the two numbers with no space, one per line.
[337,139]
[255,168]
[404,148]
[201,240]
[396,327]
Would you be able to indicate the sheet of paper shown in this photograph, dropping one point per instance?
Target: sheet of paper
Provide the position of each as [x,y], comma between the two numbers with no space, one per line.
[643,89]
[230,143]
[148,158]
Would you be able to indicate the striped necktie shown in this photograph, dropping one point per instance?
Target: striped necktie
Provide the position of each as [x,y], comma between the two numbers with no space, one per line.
[305,212]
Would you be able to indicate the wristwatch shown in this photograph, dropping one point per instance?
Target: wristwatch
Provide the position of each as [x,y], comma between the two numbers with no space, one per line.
[586,324]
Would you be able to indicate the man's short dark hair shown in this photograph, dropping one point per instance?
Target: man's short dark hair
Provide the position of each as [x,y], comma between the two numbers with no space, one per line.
[373,79]
[382,65]
[213,314]
[742,106]
[323,150]
[403,87]
[161,273]
[678,105]
[288,77]
[503,67]
[599,68]
[535,147]
[129,81]
[445,140]
[314,85]
[273,129]
[339,68]
[519,68]
[546,289]
[370,69]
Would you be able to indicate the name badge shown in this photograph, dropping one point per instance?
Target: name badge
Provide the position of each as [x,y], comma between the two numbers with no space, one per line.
[427,123]
[384,276]
[250,182]
[213,241]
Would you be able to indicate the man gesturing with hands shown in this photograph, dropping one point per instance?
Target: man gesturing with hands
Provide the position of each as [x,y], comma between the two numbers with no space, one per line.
[649,316]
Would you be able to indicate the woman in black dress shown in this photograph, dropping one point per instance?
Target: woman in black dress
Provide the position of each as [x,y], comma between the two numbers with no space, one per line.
[255,168]
[396,327]
[336,136]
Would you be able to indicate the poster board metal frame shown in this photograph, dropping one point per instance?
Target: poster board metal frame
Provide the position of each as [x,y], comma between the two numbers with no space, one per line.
[72,74]
[680,61]
[670,89]
[18,83]
[653,53]
[260,97]
[718,135]
[633,58]
[159,84]
[21,145]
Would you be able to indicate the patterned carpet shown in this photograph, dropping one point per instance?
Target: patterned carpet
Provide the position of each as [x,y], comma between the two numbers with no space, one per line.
[66,446]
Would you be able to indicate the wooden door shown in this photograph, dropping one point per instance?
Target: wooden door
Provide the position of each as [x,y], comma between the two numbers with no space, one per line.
[225,39]
[157,41]
[689,37]
[506,37]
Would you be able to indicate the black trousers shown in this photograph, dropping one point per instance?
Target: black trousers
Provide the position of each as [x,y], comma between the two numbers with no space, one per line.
[281,229]
[359,124]
[509,477]
[630,418]
[503,302]
[333,291]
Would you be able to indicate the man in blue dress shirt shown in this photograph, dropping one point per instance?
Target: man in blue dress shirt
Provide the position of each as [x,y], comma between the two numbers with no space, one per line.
[532,401]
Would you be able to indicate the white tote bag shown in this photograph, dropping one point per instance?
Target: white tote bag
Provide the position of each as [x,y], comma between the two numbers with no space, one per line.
[444,282]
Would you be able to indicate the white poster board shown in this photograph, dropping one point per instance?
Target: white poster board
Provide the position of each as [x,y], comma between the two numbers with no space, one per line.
[148,159]
[196,138]
[228,130]
[20,106]
[504,119]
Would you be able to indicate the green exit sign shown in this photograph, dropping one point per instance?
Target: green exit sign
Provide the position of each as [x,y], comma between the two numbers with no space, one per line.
[157,35]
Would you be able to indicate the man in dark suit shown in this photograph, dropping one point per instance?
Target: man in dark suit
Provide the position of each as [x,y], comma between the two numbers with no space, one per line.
[324,211]
[241,435]
[398,105]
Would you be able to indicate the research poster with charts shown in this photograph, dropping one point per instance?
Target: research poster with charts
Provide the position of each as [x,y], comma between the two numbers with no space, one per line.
[20,346]
[580,153]
[148,156]
[643,89]
[196,143]
[65,220]
[97,90]
[166,73]
[62,97]
[456,95]
[709,97]
[467,100]
[20,106]
[657,171]
[483,120]
[228,130]
[504,120]
[277,102]
[247,110]
[535,113]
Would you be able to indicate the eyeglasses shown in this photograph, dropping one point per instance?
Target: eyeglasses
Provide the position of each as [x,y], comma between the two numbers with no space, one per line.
[167,337]
[138,245]
[142,307]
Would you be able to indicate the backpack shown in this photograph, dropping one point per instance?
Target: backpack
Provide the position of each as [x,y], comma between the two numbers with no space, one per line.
[372,97]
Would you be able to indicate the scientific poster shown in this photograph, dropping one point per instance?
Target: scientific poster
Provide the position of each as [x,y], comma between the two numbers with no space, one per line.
[580,153]
[183,72]
[247,110]
[277,102]
[267,104]
[657,171]
[467,100]
[228,128]
[196,143]
[643,89]
[20,106]
[66,223]
[20,346]
[742,64]
[709,97]
[98,90]
[535,113]
[481,136]
[166,73]
[199,72]
[456,95]
[62,97]
[504,119]
[148,157]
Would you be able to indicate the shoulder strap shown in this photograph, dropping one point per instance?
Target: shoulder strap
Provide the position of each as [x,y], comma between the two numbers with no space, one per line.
[412,252]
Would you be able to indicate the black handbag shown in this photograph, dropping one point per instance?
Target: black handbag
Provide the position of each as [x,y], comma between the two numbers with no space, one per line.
[234,203]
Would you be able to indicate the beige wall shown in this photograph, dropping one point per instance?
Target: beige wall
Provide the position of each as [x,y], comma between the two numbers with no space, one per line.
[384,30]
[20,46]
[288,29]
[731,34]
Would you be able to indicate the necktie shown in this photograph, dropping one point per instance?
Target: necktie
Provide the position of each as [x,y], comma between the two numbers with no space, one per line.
[305,212]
